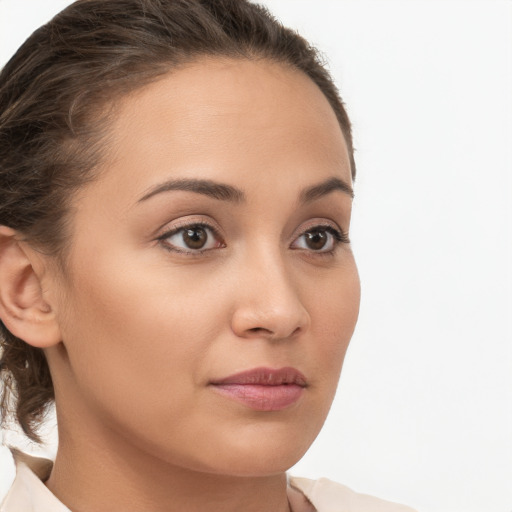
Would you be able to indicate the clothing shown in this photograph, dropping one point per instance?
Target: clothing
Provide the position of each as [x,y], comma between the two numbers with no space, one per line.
[29,494]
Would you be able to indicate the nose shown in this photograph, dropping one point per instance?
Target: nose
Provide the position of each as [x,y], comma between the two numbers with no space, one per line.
[268,304]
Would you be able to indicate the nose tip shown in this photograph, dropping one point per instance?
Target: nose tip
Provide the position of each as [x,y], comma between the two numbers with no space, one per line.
[276,314]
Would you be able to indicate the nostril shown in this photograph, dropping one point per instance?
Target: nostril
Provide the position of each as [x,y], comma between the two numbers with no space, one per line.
[259,330]
[275,322]
[268,333]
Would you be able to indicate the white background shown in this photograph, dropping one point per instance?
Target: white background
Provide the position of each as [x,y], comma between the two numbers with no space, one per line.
[424,411]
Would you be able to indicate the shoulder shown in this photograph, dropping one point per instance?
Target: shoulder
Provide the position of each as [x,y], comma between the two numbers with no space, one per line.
[328,496]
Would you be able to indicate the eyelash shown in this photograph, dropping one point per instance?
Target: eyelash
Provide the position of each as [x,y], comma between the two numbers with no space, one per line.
[339,237]
[182,228]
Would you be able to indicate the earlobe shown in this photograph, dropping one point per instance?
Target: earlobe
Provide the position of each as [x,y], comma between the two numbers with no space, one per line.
[23,310]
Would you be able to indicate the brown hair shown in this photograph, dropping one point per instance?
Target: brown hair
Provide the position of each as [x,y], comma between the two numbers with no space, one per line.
[54,94]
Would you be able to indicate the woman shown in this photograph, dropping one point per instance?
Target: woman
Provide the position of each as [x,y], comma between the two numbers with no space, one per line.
[175,266]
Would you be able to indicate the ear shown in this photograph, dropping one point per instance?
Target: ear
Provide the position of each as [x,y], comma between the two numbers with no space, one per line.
[23,309]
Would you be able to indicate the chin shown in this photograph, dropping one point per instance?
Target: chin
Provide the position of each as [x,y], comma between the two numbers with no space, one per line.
[257,464]
[261,452]
[265,454]
[247,444]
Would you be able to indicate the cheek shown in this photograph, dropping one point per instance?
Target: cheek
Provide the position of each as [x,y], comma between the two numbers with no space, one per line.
[127,334]
[133,346]
[334,316]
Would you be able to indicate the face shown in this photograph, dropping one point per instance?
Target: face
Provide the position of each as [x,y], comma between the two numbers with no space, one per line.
[211,291]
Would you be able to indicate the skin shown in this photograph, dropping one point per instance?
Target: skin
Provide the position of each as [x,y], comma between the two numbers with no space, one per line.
[141,328]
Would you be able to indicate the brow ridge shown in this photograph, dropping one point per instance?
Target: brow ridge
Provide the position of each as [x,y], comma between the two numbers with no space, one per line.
[330,185]
[224,192]
[209,188]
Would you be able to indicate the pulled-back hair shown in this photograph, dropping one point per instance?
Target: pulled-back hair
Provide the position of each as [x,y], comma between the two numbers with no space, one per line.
[56,94]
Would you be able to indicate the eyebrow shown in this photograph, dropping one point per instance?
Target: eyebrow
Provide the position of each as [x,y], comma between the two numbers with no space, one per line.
[209,188]
[326,187]
[224,192]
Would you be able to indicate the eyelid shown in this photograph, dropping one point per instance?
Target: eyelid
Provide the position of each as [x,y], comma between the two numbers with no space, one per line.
[322,223]
[339,237]
[183,224]
[188,221]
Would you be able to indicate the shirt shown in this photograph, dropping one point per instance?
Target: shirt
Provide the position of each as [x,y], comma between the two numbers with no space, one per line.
[29,494]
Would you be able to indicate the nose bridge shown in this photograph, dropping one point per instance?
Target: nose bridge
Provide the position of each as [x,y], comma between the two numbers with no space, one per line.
[268,299]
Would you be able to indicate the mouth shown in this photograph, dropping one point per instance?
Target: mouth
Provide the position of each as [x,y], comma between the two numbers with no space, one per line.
[263,389]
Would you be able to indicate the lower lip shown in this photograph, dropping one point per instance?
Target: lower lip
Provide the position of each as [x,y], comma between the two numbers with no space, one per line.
[262,398]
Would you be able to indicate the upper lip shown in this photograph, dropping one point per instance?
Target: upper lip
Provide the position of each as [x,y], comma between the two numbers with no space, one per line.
[265,377]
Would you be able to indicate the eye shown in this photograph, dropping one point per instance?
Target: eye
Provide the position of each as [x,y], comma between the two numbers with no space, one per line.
[191,238]
[320,239]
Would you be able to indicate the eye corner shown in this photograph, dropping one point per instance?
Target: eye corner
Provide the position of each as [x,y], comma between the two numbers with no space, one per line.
[182,246]
[323,234]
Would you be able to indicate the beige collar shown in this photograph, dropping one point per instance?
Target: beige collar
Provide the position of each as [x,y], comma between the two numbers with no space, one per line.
[29,494]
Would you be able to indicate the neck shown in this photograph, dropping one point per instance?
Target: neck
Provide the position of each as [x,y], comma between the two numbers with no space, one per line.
[104,474]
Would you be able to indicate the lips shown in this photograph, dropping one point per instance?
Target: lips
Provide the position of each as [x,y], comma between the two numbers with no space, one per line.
[263,389]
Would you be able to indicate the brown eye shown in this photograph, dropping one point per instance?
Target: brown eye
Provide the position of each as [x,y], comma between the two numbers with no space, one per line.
[322,239]
[316,239]
[195,238]
[190,239]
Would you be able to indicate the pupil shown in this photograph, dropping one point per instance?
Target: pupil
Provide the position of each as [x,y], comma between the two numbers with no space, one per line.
[195,238]
[316,240]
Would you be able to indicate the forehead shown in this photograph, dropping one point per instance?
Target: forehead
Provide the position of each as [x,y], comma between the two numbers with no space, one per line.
[239,119]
